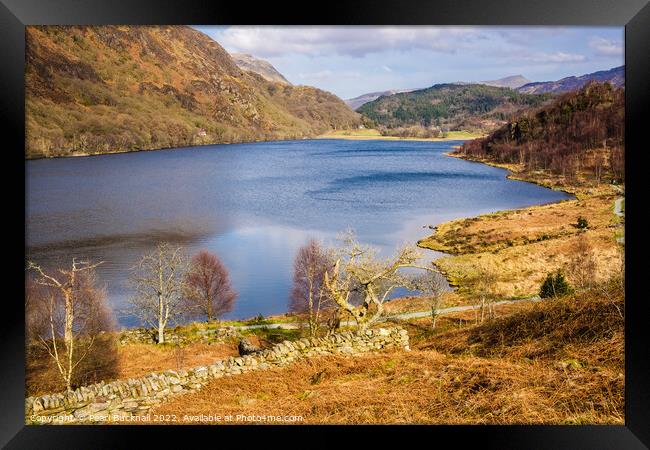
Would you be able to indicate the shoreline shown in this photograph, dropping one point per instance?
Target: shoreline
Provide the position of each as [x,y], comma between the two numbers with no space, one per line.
[328,135]
[512,174]
[118,152]
[389,138]
[515,241]
[374,135]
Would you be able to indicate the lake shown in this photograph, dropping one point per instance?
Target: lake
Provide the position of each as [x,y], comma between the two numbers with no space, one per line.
[254,205]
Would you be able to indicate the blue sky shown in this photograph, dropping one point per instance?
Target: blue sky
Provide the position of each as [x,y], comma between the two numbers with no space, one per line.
[351,61]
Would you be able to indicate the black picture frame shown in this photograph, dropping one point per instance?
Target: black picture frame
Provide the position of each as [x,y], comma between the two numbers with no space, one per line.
[16,14]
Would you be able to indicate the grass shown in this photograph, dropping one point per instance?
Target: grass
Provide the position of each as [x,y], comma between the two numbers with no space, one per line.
[113,362]
[557,362]
[371,133]
[123,362]
[522,246]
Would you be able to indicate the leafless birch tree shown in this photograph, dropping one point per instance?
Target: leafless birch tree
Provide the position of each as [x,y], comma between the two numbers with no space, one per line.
[482,282]
[65,312]
[309,294]
[432,285]
[158,283]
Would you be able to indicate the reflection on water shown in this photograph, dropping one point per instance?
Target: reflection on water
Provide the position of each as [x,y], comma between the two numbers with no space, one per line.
[254,205]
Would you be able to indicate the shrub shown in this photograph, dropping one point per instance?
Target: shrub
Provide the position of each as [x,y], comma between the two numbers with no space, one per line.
[555,285]
[582,223]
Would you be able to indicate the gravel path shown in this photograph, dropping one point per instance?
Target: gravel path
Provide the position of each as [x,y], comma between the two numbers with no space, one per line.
[412,315]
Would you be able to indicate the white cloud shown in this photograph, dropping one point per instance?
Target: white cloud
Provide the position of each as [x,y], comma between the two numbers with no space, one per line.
[606,47]
[316,75]
[556,57]
[386,68]
[328,74]
[349,41]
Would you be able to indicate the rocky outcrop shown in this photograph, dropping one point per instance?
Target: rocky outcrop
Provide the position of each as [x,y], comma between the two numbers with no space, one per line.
[119,400]
[247,348]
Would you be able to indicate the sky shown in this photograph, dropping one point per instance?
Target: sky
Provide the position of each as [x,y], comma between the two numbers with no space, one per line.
[350,61]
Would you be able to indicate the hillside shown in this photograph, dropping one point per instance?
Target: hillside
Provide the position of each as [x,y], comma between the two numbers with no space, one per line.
[361,100]
[451,106]
[558,362]
[615,76]
[582,131]
[105,89]
[259,66]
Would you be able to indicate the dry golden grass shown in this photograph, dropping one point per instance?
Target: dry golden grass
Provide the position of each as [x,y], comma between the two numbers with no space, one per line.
[419,303]
[521,269]
[123,362]
[136,360]
[505,229]
[522,246]
[551,363]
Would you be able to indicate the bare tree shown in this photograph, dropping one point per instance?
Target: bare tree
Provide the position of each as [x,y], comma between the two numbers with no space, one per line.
[482,282]
[208,291]
[359,283]
[65,312]
[433,286]
[309,295]
[582,267]
[158,283]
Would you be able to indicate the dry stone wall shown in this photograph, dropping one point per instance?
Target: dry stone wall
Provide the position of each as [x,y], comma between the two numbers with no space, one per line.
[148,336]
[117,400]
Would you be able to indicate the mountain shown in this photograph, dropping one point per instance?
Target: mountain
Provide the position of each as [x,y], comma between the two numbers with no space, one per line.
[259,66]
[356,102]
[511,82]
[103,89]
[452,106]
[615,76]
[581,131]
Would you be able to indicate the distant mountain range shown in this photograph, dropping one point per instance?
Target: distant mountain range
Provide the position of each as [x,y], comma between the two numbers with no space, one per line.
[511,82]
[261,67]
[450,106]
[356,102]
[615,76]
[105,89]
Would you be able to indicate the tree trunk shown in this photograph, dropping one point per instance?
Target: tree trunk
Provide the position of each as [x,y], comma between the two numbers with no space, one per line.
[161,325]
[68,338]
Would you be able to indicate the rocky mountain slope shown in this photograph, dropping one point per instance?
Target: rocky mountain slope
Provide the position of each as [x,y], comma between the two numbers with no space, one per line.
[261,67]
[615,76]
[104,89]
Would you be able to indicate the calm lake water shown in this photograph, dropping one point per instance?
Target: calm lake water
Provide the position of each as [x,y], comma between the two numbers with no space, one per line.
[254,205]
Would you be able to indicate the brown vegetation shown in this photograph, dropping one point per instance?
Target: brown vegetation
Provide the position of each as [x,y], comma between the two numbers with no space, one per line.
[578,132]
[524,245]
[309,296]
[66,317]
[103,89]
[208,292]
[125,361]
[558,362]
